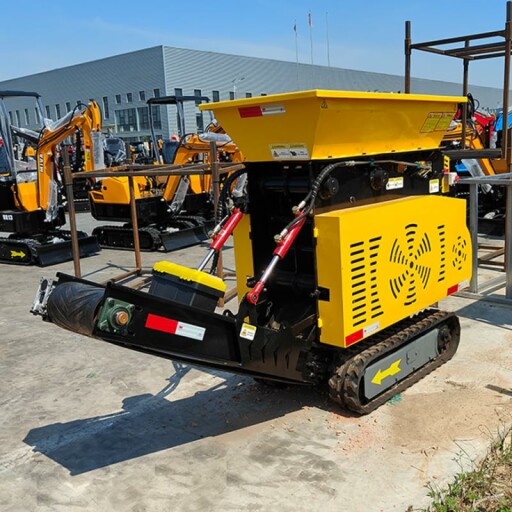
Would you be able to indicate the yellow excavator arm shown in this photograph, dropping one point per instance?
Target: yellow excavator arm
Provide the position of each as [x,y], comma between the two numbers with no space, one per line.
[86,119]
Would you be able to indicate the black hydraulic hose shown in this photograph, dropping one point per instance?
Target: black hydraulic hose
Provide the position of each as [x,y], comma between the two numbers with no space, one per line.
[315,188]
[226,189]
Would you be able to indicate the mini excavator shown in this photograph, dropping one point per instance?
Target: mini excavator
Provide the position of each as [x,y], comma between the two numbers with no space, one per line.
[30,206]
[174,212]
[483,137]
[346,238]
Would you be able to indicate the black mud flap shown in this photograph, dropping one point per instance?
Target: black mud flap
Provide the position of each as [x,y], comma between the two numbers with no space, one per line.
[186,237]
[53,253]
[140,321]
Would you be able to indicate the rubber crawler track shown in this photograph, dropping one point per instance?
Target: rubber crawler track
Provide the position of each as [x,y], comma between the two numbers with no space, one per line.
[151,235]
[346,385]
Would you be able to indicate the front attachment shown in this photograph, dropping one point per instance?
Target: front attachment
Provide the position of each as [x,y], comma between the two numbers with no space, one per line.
[167,328]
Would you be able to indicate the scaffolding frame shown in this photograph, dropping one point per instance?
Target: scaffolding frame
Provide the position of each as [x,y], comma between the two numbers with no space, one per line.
[488,45]
[215,168]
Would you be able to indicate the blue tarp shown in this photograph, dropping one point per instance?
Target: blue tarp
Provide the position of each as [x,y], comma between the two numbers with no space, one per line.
[498,125]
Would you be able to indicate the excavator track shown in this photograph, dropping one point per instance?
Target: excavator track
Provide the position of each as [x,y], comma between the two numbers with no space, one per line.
[54,247]
[121,237]
[18,251]
[394,359]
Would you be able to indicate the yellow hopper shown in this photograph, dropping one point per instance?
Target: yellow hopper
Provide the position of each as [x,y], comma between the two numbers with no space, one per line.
[318,124]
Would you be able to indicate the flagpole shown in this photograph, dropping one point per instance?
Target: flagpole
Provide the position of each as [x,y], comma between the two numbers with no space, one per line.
[328,50]
[327,32]
[311,34]
[297,53]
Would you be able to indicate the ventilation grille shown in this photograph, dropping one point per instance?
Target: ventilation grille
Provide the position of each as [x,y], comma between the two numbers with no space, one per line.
[363,271]
[407,253]
[441,231]
[459,253]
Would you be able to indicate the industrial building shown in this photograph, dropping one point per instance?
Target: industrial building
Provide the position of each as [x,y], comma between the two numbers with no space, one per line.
[122,84]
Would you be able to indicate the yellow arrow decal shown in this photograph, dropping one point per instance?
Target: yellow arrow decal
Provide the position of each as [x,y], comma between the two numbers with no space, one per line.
[19,254]
[389,372]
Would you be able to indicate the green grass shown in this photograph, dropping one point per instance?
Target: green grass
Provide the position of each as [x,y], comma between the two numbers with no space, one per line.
[487,488]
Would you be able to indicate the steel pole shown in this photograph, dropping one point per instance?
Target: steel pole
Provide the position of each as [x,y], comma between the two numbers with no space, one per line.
[473,230]
[465,90]
[135,224]
[216,195]
[68,181]
[506,86]
[508,243]
[407,44]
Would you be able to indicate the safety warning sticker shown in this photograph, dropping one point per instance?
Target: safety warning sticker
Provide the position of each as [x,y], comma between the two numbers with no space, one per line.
[434,186]
[394,183]
[289,151]
[248,331]
[437,121]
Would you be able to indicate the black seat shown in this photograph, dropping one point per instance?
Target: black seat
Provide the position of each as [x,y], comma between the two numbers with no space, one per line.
[169,149]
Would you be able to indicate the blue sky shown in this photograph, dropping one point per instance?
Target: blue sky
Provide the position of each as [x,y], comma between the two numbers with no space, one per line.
[366,35]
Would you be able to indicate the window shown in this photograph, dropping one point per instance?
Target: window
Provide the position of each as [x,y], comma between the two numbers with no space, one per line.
[248,94]
[57,110]
[118,99]
[157,120]
[143,114]
[18,118]
[36,115]
[129,97]
[263,93]
[68,106]
[156,93]
[215,96]
[47,108]
[231,95]
[106,113]
[11,118]
[126,120]
[142,95]
[178,91]
[27,118]
[199,114]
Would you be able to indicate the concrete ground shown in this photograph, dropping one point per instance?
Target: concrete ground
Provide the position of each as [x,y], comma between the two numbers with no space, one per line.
[90,426]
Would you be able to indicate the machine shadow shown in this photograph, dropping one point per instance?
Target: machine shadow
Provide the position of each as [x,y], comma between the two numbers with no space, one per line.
[151,423]
[494,314]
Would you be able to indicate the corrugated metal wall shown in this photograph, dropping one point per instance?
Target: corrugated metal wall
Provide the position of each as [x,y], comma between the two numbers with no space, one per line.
[105,78]
[168,69]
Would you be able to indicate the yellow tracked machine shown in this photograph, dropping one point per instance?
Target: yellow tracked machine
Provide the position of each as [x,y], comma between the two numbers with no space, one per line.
[345,239]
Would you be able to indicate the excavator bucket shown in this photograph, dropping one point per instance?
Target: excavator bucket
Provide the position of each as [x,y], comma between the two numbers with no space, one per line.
[187,237]
[53,253]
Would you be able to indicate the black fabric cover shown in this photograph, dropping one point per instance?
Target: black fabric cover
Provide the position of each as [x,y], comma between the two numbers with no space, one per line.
[73,306]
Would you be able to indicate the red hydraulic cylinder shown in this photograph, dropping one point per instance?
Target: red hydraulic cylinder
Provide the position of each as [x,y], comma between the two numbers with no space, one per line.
[279,253]
[220,238]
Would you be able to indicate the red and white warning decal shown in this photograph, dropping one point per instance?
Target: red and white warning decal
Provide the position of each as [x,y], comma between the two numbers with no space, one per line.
[164,324]
[458,287]
[261,110]
[362,333]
